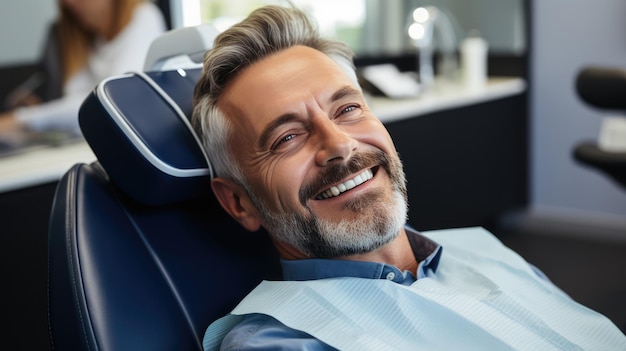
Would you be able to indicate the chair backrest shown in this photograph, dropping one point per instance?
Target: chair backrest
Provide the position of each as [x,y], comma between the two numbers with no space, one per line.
[141,255]
[603,88]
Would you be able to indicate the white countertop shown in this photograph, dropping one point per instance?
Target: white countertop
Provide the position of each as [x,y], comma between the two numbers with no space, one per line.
[445,96]
[44,165]
[40,166]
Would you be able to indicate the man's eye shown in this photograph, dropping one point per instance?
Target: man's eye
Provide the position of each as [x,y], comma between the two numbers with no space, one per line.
[286,138]
[348,109]
[283,140]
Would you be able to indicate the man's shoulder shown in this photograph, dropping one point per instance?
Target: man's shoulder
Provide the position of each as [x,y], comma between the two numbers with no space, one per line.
[262,332]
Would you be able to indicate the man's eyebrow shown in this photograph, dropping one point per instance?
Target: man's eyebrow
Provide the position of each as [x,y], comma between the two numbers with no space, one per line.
[267,131]
[343,92]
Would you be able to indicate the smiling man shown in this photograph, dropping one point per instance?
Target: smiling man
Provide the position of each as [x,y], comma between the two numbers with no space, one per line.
[315,159]
[298,152]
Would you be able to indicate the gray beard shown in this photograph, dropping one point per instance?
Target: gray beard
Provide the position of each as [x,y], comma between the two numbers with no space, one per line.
[378,222]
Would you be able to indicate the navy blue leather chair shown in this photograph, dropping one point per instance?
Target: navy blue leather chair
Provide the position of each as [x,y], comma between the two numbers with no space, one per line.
[141,256]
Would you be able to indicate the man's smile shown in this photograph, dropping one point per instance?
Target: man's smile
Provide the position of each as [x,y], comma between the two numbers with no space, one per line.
[351,183]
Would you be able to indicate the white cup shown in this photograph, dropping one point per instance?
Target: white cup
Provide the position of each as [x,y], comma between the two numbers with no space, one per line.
[474,62]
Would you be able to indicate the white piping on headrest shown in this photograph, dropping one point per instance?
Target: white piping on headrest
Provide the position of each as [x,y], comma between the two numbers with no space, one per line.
[137,142]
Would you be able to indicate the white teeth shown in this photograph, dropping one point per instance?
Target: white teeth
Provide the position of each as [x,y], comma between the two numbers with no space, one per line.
[350,184]
[358,179]
[347,185]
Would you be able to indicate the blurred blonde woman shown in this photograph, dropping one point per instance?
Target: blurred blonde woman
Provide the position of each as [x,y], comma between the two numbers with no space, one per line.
[90,41]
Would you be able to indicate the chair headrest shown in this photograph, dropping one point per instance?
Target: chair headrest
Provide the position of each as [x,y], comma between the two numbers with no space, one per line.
[180,48]
[138,126]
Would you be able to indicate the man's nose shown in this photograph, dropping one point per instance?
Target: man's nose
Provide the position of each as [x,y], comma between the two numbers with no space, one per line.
[334,144]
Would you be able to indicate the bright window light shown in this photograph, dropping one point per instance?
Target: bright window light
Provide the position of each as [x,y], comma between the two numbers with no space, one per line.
[191,13]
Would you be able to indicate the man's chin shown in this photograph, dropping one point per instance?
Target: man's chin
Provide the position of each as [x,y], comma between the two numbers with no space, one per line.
[351,209]
[369,201]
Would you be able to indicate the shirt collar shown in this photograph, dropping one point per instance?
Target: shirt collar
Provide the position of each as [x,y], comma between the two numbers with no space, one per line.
[426,251]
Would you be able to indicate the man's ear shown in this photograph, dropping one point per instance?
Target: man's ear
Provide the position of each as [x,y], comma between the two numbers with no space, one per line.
[235,200]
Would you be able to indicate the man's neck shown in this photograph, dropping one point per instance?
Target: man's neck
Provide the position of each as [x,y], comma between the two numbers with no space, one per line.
[397,253]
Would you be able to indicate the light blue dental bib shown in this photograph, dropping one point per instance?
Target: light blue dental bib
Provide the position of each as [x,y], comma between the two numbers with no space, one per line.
[483,297]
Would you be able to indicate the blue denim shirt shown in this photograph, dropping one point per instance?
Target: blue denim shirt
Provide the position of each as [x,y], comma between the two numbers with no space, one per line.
[261,332]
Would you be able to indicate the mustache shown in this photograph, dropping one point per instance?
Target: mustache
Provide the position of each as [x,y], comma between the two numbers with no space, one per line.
[340,171]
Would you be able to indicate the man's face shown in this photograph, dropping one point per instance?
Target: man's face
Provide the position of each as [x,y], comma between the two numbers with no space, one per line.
[323,171]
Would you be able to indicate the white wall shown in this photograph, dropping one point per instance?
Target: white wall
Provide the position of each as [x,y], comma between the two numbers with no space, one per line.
[568,35]
[23,26]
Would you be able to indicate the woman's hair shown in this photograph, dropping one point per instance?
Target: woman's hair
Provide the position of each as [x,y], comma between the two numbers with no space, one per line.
[266,31]
[75,41]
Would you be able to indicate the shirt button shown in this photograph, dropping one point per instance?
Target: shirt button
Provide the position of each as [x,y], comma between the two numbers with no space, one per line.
[390,275]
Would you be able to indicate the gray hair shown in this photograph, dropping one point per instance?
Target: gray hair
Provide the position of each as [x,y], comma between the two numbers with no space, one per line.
[264,32]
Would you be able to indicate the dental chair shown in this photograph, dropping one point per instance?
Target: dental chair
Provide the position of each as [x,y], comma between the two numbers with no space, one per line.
[141,255]
[602,88]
